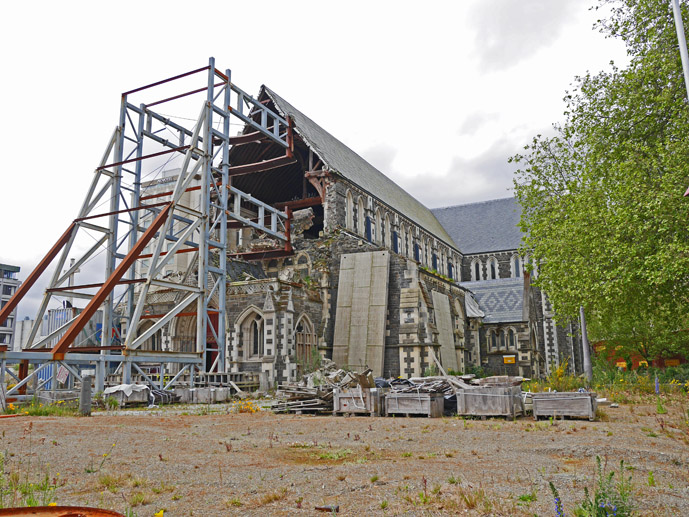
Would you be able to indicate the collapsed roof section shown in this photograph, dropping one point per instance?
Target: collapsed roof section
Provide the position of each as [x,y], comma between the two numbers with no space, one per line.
[287,185]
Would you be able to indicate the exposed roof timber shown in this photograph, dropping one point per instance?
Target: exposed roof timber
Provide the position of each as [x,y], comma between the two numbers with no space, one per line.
[260,255]
[265,165]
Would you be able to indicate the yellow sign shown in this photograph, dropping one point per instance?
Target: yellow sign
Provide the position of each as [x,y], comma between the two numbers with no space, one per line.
[671,362]
[508,359]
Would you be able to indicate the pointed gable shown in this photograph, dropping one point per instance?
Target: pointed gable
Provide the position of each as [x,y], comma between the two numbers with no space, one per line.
[341,160]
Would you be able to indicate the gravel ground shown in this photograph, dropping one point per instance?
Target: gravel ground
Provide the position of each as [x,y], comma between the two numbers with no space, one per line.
[189,462]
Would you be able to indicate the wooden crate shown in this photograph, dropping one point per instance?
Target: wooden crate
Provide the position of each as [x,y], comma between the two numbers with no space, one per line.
[575,404]
[429,404]
[358,401]
[491,401]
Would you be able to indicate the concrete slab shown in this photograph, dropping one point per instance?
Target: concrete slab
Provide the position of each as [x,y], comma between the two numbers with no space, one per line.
[360,331]
[443,321]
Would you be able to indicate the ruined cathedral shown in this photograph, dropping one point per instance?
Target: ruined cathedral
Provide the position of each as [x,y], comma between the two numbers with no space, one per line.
[376,278]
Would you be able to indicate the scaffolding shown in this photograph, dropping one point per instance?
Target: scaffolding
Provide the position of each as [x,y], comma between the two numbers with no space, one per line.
[138,226]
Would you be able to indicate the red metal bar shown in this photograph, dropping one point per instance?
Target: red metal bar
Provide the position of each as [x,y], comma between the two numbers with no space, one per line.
[301,203]
[144,157]
[288,234]
[261,255]
[220,74]
[167,194]
[181,95]
[91,286]
[80,322]
[165,81]
[80,348]
[35,274]
[248,138]
[290,138]
[140,207]
[265,165]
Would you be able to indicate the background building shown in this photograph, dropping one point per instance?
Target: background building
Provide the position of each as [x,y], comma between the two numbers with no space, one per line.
[8,285]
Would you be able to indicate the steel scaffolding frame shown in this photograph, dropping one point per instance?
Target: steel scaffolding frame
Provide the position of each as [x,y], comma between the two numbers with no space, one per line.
[201,231]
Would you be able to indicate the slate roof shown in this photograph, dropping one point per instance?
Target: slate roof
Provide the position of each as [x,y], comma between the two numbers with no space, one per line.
[501,300]
[342,160]
[483,227]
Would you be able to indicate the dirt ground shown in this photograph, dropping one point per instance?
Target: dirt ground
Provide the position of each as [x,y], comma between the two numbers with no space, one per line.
[192,461]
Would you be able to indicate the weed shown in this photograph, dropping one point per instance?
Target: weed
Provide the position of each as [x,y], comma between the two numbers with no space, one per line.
[528,498]
[660,408]
[383,504]
[90,469]
[110,482]
[558,501]
[610,496]
[452,480]
[271,497]
[651,479]
[162,488]
[235,501]
[374,478]
[406,454]
[111,403]
[139,498]
[472,498]
[339,454]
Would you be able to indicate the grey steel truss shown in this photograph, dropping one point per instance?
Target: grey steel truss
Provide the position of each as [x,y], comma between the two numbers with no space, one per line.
[158,227]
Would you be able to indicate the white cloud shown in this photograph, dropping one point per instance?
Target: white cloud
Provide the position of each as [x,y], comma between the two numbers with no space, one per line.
[510,31]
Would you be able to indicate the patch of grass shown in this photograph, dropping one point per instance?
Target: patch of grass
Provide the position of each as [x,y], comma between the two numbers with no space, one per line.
[139,498]
[235,501]
[374,478]
[651,479]
[383,504]
[163,488]
[472,498]
[453,480]
[528,498]
[271,497]
[111,483]
[339,454]
[406,454]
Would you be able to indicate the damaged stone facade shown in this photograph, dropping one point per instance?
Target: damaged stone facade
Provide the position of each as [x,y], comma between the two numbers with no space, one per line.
[373,278]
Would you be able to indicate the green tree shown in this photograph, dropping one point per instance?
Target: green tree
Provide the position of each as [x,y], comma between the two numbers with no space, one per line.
[602,204]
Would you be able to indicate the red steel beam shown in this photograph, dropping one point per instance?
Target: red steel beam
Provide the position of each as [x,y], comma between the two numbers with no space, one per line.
[300,203]
[165,81]
[90,286]
[182,95]
[131,160]
[36,273]
[260,255]
[80,322]
[248,138]
[140,207]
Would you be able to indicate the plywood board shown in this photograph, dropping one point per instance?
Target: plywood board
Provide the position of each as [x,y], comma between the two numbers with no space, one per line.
[362,295]
[443,322]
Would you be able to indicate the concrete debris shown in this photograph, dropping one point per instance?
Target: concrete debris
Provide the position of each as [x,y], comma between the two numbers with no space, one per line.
[314,393]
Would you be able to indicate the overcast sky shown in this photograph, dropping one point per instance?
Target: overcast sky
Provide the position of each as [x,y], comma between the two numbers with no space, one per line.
[437,95]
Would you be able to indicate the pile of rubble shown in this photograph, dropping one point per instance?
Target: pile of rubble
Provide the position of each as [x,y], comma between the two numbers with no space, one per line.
[318,392]
[314,393]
